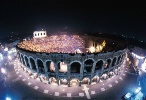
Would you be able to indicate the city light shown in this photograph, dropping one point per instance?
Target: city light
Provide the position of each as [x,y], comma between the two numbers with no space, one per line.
[9,57]
[138,90]
[6,49]
[8,98]
[1,57]
[137,56]
[143,66]
[3,70]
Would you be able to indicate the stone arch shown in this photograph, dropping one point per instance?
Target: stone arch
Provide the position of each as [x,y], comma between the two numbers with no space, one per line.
[85,81]
[40,65]
[114,61]
[99,65]
[32,62]
[23,62]
[62,66]
[88,65]
[74,82]
[19,56]
[75,67]
[27,63]
[48,65]
[118,60]
[107,63]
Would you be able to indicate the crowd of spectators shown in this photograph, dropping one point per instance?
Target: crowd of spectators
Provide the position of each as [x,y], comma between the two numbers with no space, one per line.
[54,43]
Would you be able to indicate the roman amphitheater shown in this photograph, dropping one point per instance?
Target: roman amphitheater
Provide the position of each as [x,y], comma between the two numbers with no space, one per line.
[71,59]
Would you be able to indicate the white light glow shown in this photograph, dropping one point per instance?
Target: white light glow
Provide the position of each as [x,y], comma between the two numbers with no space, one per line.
[9,57]
[6,49]
[8,98]
[138,90]
[137,56]
[92,49]
[143,66]
[1,56]
[3,70]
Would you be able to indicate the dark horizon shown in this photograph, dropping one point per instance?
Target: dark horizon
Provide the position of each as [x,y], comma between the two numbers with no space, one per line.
[106,17]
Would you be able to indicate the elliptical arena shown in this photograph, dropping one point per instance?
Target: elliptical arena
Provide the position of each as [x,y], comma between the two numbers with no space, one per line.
[71,59]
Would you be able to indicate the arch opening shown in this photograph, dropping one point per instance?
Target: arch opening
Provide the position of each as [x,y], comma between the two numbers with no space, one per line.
[88,65]
[40,65]
[75,67]
[32,62]
[26,60]
[118,60]
[114,61]
[107,64]
[62,67]
[22,60]
[99,65]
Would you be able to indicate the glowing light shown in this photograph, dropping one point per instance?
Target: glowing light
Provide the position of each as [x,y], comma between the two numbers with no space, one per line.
[92,49]
[8,98]
[143,66]
[1,56]
[9,57]
[137,56]
[6,49]
[138,90]
[103,43]
[3,70]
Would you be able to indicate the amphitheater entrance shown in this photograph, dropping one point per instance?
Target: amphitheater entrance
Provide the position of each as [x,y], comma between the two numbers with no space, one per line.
[53,81]
[26,60]
[32,62]
[40,66]
[74,82]
[62,67]
[98,66]
[75,67]
[63,82]
[88,65]
[95,79]
[85,81]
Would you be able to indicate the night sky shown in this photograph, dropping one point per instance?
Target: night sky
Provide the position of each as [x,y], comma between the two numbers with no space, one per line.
[105,16]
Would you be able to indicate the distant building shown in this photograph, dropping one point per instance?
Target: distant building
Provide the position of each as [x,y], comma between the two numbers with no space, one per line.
[39,34]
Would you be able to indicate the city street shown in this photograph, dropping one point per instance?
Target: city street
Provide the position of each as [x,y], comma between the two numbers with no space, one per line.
[21,87]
